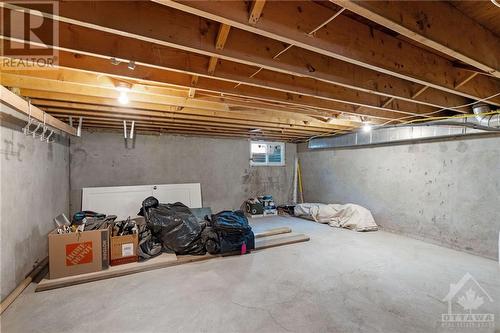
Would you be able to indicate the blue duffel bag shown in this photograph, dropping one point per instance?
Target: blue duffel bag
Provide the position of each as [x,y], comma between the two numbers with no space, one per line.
[228,232]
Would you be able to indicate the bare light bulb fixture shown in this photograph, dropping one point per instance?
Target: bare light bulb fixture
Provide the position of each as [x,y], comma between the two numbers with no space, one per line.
[123,98]
[367,127]
[123,88]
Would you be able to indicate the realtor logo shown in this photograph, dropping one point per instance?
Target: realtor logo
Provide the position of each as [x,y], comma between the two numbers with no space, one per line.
[28,34]
[465,299]
[78,253]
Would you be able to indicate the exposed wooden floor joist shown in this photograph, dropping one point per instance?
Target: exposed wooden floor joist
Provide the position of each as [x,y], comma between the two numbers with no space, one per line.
[339,98]
[242,46]
[345,39]
[283,69]
[430,23]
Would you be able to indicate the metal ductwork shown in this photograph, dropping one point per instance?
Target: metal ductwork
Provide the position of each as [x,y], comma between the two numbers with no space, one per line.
[492,120]
[482,123]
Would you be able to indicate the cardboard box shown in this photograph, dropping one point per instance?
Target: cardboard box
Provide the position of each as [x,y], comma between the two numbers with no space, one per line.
[78,252]
[123,249]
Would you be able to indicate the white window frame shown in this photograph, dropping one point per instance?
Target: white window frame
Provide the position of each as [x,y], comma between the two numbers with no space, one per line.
[267,163]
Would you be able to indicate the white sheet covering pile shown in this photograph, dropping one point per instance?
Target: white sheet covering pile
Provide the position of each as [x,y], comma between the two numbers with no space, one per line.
[348,216]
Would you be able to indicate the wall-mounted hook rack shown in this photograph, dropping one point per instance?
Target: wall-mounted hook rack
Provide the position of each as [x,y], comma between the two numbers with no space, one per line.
[21,105]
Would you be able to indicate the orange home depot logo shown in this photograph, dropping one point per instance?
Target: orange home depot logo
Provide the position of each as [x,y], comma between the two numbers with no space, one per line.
[78,253]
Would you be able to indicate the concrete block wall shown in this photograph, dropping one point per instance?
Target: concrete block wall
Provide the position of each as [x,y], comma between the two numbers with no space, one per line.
[220,165]
[34,179]
[444,192]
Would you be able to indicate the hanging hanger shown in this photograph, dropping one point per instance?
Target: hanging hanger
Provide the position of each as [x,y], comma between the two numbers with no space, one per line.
[49,136]
[45,130]
[31,121]
[34,133]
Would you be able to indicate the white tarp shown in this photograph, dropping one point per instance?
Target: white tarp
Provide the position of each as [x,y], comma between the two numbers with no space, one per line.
[348,216]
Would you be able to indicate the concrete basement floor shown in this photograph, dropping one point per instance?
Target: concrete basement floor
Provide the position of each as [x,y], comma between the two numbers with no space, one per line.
[340,281]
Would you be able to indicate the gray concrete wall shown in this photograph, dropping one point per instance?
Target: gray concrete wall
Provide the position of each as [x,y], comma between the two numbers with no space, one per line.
[444,192]
[220,165]
[34,179]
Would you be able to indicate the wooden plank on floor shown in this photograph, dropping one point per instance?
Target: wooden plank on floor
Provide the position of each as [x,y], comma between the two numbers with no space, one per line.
[265,243]
[272,232]
[163,260]
[167,260]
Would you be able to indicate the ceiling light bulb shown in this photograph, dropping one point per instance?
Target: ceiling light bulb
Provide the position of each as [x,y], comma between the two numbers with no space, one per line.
[367,127]
[123,98]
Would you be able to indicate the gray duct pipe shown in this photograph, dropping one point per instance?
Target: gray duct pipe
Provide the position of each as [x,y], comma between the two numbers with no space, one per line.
[492,120]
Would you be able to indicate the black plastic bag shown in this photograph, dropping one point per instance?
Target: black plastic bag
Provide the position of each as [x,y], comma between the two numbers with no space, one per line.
[228,232]
[149,246]
[174,225]
[211,240]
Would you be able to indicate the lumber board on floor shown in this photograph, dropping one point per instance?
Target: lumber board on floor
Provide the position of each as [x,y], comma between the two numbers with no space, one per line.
[161,261]
[167,260]
[265,243]
[272,232]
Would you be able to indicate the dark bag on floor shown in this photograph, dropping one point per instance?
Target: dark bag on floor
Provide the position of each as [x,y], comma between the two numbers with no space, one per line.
[174,225]
[148,246]
[228,232]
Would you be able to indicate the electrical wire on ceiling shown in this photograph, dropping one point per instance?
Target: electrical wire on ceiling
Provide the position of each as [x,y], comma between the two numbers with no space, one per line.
[447,108]
[422,121]
[458,116]
[249,100]
[432,118]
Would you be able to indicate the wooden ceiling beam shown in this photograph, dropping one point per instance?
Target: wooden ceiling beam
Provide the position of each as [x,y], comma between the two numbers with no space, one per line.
[254,119]
[95,89]
[157,129]
[263,111]
[86,111]
[242,47]
[438,25]
[101,66]
[183,62]
[94,120]
[151,120]
[101,121]
[345,39]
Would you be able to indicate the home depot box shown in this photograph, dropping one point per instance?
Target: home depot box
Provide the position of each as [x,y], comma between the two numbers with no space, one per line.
[123,249]
[78,252]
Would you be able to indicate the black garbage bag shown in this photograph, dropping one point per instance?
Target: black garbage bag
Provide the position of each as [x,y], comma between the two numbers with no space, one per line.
[227,232]
[174,225]
[210,238]
[149,246]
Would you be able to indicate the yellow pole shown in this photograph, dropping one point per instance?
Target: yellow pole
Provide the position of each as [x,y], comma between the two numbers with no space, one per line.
[300,182]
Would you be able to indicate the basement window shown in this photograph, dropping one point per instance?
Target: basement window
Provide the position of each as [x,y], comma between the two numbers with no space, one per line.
[267,153]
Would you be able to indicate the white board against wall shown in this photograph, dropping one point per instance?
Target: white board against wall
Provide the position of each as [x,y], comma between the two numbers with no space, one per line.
[125,201]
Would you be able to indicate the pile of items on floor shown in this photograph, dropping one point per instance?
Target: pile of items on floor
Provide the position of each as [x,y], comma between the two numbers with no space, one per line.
[99,241]
[349,216]
[92,242]
[261,206]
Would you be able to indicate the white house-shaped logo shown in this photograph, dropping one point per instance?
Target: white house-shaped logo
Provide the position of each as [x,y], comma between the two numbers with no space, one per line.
[470,296]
